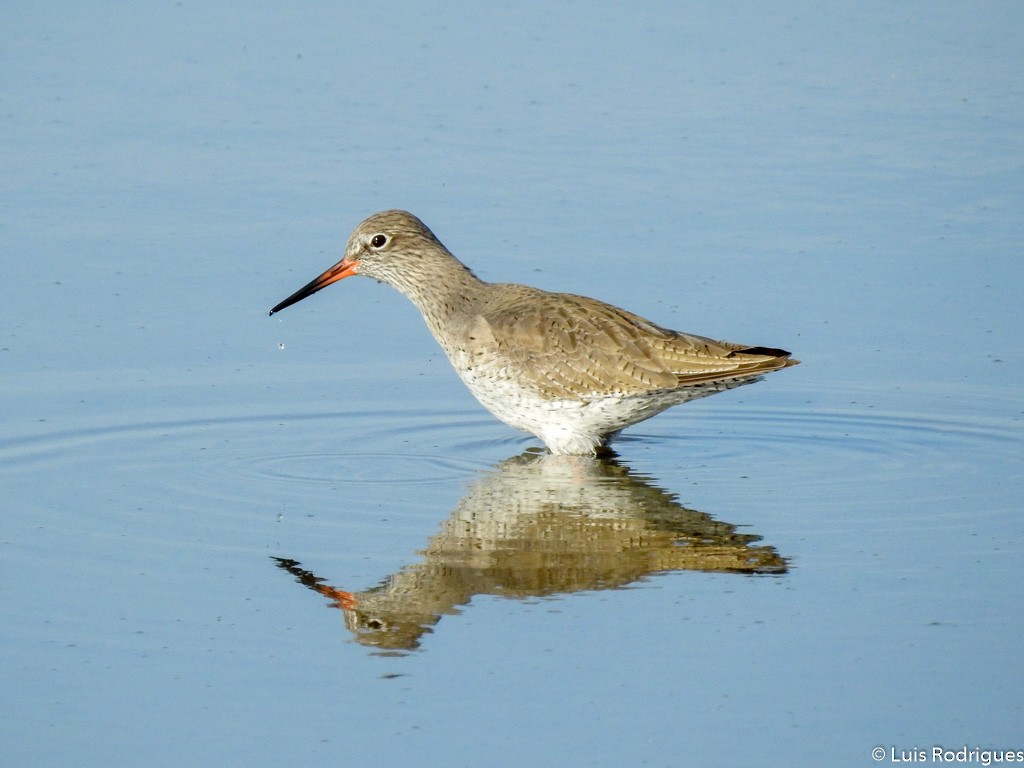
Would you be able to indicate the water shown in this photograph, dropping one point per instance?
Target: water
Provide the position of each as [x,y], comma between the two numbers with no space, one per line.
[241,540]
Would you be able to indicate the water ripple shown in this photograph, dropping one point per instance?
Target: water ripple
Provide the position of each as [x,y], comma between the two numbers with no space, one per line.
[276,447]
[363,467]
[415,446]
[853,433]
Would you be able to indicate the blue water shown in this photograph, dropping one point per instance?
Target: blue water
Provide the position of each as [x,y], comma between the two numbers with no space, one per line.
[240,540]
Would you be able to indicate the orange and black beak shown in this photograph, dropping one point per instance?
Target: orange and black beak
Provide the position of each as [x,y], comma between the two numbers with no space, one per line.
[344,268]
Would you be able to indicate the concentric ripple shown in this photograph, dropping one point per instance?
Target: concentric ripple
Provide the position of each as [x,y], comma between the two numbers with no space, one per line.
[415,447]
[285,448]
[333,468]
[841,450]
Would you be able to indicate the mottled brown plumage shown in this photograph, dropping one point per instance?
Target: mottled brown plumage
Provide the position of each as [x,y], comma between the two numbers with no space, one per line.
[570,369]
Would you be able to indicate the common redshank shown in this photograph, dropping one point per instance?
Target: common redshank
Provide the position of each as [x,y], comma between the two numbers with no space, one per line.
[571,370]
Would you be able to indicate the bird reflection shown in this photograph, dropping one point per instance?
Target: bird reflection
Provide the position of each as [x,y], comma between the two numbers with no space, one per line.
[538,525]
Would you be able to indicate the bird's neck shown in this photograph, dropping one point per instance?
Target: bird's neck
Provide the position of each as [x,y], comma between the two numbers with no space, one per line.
[444,294]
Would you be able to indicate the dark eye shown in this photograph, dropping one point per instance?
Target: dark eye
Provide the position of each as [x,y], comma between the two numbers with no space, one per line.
[378,241]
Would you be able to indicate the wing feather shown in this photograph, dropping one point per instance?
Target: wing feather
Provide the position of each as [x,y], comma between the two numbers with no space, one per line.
[575,347]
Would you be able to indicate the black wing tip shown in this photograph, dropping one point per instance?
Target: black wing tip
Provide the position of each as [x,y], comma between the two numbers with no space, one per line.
[766,351]
[780,356]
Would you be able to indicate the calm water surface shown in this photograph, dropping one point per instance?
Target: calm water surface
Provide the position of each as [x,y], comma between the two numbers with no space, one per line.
[240,540]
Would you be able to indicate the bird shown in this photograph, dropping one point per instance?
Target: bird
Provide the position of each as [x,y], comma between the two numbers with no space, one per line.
[571,370]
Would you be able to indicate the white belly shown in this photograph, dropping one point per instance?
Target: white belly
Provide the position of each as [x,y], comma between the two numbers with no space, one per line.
[567,426]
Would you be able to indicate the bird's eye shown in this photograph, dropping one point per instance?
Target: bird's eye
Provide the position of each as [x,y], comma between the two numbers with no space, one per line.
[378,241]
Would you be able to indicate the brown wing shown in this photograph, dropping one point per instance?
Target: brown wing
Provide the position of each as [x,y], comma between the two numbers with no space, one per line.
[577,347]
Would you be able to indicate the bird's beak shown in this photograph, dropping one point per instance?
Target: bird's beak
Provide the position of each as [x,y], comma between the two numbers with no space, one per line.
[344,268]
